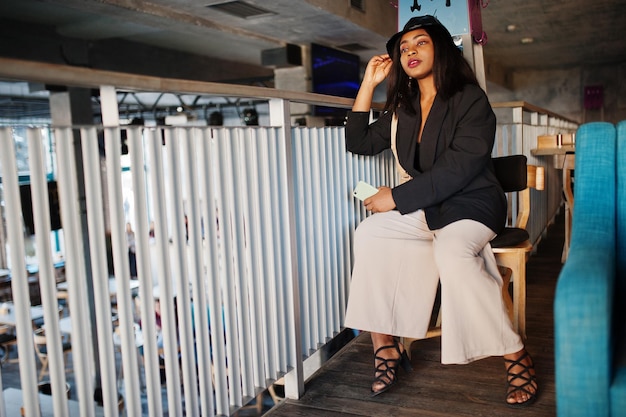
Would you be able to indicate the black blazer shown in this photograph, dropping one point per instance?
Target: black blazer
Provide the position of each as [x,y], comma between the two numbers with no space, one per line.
[456,179]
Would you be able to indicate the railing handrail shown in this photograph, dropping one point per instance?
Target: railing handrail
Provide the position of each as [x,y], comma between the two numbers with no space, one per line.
[72,76]
[529,107]
[68,75]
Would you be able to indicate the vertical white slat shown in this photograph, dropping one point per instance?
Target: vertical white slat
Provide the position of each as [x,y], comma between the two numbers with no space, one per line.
[180,271]
[197,272]
[351,215]
[256,254]
[363,173]
[119,245]
[287,326]
[344,202]
[302,192]
[381,166]
[98,252]
[19,280]
[324,267]
[75,269]
[329,185]
[372,170]
[382,170]
[311,235]
[243,274]
[313,232]
[150,352]
[166,293]
[47,279]
[327,239]
[306,262]
[333,213]
[271,268]
[228,233]
[318,231]
[207,174]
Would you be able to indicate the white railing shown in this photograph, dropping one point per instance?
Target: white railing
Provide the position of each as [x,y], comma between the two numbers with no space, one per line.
[259,274]
[519,124]
[260,284]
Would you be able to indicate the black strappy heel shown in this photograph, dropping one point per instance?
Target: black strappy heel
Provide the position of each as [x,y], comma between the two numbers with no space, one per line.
[529,378]
[386,370]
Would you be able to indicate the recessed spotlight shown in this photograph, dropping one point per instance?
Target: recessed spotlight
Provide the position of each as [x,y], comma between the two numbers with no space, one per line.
[511,28]
[527,40]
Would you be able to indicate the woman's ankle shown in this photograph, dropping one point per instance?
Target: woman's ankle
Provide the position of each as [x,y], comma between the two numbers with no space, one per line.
[515,355]
[380,339]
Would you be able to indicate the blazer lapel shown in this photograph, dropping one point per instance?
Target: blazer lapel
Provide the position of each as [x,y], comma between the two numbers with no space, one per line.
[406,140]
[430,135]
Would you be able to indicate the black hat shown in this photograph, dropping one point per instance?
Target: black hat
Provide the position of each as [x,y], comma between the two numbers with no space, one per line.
[413,23]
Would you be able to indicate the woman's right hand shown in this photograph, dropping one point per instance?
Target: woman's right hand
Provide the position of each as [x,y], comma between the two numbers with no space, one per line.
[377,70]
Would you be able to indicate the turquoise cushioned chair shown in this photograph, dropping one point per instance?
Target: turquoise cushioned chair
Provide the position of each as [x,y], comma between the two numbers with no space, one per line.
[589,317]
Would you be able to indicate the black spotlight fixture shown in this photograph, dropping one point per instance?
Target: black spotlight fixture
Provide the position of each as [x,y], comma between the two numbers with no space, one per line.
[250,117]
[216,118]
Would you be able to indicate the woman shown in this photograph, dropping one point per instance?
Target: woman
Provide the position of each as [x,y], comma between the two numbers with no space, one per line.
[437,224]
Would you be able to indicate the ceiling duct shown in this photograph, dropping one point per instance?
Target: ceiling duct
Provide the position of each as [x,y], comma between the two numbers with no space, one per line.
[240,9]
[353,47]
[287,56]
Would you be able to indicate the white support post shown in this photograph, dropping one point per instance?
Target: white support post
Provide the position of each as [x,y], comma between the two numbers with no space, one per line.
[294,380]
[109,107]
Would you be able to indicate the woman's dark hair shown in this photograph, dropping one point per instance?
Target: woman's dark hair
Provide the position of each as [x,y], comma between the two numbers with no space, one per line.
[450,70]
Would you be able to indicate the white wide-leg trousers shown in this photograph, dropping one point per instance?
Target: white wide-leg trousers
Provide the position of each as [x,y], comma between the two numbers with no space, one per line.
[398,262]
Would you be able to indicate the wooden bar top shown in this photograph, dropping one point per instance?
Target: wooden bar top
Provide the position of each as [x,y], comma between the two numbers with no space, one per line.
[553,151]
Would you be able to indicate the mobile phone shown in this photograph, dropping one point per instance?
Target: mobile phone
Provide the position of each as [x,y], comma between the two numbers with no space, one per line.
[364,190]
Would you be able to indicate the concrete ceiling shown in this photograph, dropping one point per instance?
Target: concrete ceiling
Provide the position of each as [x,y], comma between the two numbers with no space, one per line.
[564,33]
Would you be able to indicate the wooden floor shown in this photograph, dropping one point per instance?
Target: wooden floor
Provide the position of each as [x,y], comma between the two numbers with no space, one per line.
[341,387]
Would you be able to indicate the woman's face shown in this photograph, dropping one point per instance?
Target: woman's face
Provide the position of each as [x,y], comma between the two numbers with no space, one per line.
[417,54]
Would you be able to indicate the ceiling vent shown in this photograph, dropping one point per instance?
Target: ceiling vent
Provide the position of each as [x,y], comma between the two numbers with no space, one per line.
[353,47]
[358,4]
[240,9]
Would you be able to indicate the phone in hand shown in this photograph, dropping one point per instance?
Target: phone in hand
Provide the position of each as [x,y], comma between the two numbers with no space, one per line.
[364,190]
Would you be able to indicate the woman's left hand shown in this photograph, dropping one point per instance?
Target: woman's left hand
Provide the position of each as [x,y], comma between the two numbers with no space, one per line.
[381,201]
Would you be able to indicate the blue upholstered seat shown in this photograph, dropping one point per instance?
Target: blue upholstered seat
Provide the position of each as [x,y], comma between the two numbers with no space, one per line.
[590,301]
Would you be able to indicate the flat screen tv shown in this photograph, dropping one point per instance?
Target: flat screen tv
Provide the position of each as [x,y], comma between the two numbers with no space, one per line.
[335,73]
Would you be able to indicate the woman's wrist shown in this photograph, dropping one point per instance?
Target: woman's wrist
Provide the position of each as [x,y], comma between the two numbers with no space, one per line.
[369,85]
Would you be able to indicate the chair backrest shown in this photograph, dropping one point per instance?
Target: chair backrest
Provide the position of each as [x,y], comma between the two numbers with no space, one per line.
[511,172]
[515,175]
[39,337]
[7,335]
